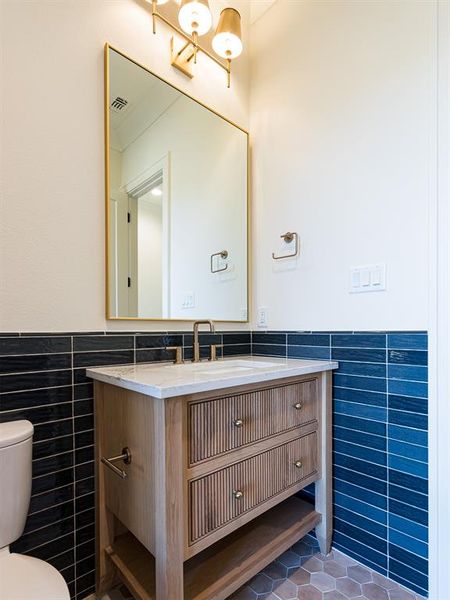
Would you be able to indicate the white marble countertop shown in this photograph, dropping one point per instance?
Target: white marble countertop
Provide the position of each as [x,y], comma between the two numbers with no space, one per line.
[166,380]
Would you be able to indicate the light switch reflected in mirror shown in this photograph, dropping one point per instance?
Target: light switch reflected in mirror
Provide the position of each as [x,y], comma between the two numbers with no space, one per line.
[176,200]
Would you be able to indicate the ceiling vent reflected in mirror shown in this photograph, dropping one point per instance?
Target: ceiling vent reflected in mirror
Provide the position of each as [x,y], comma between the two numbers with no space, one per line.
[119,104]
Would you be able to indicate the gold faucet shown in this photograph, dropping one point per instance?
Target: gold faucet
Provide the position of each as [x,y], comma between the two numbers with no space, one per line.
[196,357]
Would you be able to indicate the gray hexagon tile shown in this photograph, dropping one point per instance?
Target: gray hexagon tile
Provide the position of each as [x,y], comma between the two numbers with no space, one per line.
[359,573]
[303,573]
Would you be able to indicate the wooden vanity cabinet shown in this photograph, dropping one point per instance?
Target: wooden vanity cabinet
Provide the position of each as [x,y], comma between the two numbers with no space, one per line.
[209,497]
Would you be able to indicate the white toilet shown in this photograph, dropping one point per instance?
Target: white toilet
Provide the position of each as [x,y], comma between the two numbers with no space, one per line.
[21,577]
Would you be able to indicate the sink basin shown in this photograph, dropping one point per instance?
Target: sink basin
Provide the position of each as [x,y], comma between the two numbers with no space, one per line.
[226,366]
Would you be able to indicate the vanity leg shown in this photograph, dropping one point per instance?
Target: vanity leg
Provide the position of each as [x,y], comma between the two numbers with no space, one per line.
[169,500]
[104,519]
[324,499]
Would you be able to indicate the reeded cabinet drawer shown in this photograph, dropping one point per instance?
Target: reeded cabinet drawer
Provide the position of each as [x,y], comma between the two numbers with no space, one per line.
[222,496]
[218,426]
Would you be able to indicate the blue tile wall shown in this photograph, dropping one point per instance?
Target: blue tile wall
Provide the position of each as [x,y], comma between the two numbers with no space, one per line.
[380,441]
[380,437]
[42,378]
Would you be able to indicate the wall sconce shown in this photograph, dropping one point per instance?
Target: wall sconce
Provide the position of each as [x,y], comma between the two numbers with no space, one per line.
[194,18]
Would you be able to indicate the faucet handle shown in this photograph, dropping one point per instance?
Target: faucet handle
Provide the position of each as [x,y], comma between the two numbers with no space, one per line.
[178,353]
[214,347]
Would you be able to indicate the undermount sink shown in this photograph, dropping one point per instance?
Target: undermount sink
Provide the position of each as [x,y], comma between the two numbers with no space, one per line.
[228,366]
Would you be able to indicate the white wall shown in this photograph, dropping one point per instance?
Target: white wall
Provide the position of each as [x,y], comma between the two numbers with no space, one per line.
[204,217]
[342,109]
[52,151]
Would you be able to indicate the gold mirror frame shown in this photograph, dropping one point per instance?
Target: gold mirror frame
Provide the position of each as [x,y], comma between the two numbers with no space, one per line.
[107,48]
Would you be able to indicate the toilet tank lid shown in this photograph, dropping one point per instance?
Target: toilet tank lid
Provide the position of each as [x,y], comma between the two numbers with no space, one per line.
[14,432]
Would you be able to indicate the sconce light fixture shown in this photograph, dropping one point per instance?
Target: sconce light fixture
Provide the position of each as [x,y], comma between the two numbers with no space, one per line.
[195,19]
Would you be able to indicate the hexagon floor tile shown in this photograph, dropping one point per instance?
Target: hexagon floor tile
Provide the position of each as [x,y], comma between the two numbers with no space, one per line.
[302,573]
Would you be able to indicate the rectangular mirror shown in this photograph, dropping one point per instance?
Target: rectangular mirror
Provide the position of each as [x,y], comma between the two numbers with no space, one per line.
[176,202]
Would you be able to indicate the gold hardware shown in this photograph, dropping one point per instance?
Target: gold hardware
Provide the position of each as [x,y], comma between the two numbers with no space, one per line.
[298,405]
[213,355]
[238,422]
[223,255]
[288,237]
[298,464]
[178,353]
[125,457]
[107,48]
[196,357]
[182,59]
[237,494]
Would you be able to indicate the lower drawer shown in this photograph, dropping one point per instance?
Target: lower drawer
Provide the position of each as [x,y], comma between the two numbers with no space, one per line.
[220,497]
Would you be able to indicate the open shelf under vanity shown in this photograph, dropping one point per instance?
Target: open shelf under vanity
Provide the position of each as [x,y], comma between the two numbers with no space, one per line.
[214,573]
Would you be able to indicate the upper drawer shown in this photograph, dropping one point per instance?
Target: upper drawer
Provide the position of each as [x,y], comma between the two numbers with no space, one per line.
[218,426]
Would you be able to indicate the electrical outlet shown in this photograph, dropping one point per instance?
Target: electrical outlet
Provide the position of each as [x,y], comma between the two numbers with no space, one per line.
[261,319]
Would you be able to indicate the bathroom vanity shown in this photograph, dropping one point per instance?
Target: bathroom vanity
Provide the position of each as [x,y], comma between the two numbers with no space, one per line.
[199,466]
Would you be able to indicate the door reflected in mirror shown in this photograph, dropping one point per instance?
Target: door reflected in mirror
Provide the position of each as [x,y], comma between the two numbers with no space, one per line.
[176,202]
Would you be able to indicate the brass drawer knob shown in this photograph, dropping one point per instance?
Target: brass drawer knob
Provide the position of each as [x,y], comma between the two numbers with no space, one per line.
[298,405]
[298,464]
[238,494]
[238,422]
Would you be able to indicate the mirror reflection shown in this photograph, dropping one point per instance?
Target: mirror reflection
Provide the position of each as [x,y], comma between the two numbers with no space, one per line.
[177,203]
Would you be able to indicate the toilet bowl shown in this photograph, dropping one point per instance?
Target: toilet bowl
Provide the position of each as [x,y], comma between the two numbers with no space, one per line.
[21,577]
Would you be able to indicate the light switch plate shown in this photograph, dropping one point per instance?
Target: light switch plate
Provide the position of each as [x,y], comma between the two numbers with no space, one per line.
[188,300]
[369,278]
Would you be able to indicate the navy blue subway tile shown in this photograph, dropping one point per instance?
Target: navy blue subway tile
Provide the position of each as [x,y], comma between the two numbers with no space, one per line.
[236,350]
[97,359]
[49,516]
[367,496]
[408,372]
[408,481]
[242,337]
[268,350]
[35,362]
[360,424]
[53,429]
[360,396]
[361,466]
[306,339]
[360,535]
[358,340]
[359,355]
[269,338]
[315,352]
[360,522]
[408,341]
[83,407]
[408,496]
[377,442]
[406,465]
[361,480]
[52,446]
[360,452]
[34,345]
[415,405]
[373,384]
[408,558]
[82,391]
[51,498]
[32,398]
[158,340]
[361,368]
[408,357]
[41,414]
[408,450]
[103,342]
[408,419]
[406,434]
[360,550]
[407,511]
[364,411]
[408,388]
[34,381]
[410,528]
[356,506]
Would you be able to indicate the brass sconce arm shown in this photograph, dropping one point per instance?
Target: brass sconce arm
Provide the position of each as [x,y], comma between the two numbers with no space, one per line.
[182,59]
